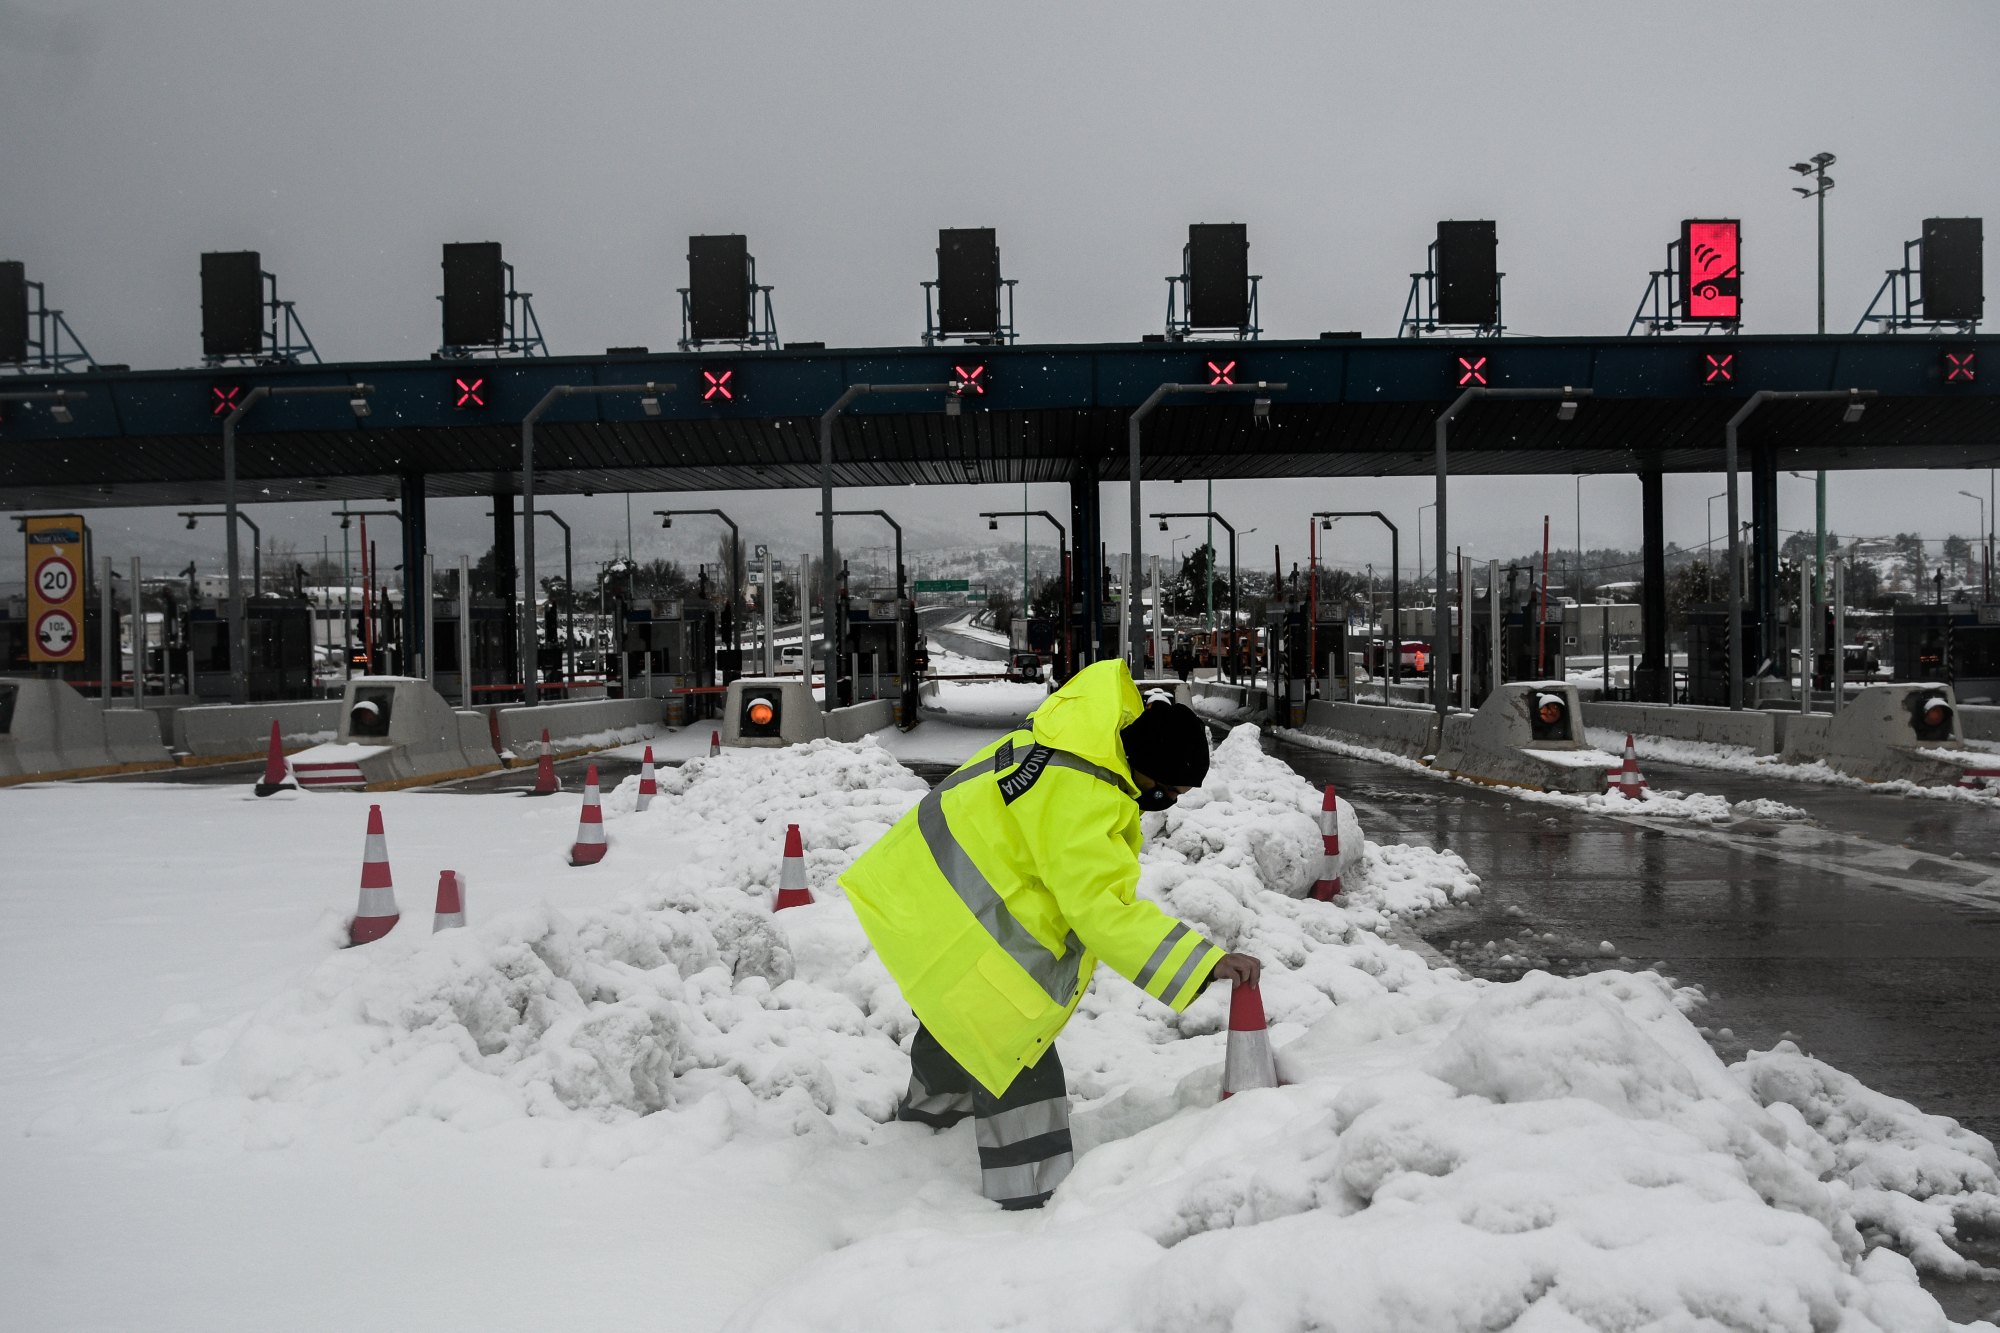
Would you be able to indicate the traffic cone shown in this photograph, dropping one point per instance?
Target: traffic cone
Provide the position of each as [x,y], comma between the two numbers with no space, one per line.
[589,848]
[714,744]
[276,779]
[450,912]
[648,788]
[792,890]
[377,913]
[1630,783]
[1327,886]
[1247,1063]
[545,770]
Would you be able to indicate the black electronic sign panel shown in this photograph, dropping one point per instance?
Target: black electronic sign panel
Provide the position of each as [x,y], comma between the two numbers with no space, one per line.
[1468,273]
[232,304]
[1712,270]
[475,294]
[13,310]
[719,288]
[1218,295]
[968,280]
[1954,269]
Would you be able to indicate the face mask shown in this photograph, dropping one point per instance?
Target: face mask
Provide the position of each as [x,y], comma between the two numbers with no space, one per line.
[1156,798]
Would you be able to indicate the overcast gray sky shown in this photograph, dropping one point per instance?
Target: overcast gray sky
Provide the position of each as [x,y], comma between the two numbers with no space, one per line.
[346,141]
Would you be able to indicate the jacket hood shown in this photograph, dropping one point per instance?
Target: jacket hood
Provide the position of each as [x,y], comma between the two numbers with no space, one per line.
[1085,716]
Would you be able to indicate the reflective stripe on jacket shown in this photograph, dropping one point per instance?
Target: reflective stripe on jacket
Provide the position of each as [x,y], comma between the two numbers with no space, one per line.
[993,900]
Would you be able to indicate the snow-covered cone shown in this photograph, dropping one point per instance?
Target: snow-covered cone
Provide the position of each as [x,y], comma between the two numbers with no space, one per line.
[648,788]
[792,890]
[714,744]
[451,902]
[377,914]
[1630,783]
[1248,1063]
[276,779]
[545,770]
[589,848]
[1328,883]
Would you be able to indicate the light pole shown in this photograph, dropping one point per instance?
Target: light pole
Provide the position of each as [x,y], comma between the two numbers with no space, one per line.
[830,577]
[1822,182]
[1979,500]
[993,518]
[1440,629]
[569,590]
[530,673]
[256,541]
[1856,400]
[1327,518]
[1214,517]
[239,627]
[367,569]
[1260,411]
[666,517]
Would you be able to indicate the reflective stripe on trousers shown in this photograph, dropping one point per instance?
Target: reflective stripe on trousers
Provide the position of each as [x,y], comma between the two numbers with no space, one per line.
[1022,1136]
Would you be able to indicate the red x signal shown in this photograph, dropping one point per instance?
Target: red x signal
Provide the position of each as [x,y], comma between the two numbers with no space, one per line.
[718,385]
[969,379]
[1959,368]
[471,393]
[1721,369]
[1472,372]
[225,401]
[1221,374]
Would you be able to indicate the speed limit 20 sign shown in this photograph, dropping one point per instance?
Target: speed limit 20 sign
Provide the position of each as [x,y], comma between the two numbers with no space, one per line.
[55,588]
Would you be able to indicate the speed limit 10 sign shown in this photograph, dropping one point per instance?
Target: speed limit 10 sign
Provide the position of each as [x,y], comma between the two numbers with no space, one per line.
[55,588]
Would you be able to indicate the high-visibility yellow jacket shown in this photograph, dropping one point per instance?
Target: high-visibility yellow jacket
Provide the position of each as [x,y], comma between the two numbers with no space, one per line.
[991,902]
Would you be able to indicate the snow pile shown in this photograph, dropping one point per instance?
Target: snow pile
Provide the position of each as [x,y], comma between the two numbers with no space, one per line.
[1570,1156]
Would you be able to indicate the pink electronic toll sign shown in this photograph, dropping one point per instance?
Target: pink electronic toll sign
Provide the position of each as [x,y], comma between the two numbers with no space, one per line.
[1711,271]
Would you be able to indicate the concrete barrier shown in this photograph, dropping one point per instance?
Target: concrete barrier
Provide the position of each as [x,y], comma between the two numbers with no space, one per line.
[1979,722]
[48,732]
[851,724]
[1754,730]
[580,725]
[795,715]
[1409,732]
[1527,734]
[1897,732]
[395,731]
[1230,705]
[1802,736]
[220,733]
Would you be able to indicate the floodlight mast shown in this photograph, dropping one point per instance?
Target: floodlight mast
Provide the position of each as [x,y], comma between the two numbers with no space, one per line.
[1822,182]
[1136,656]
[830,578]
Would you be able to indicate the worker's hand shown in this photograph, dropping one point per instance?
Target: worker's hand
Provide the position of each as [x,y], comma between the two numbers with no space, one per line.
[1240,968]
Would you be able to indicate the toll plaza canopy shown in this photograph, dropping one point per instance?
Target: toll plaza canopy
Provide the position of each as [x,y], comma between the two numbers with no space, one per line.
[749,420]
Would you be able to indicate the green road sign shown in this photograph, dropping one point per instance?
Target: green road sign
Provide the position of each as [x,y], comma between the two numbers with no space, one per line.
[943,585]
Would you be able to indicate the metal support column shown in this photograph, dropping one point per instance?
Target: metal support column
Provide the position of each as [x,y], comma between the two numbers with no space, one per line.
[416,592]
[1087,572]
[505,585]
[1764,555]
[1655,677]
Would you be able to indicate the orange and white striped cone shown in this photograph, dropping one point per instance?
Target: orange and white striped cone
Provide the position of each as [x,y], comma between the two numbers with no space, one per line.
[648,788]
[276,777]
[377,913]
[545,770]
[589,848]
[1327,886]
[1630,783]
[1247,1063]
[714,744]
[792,890]
[450,913]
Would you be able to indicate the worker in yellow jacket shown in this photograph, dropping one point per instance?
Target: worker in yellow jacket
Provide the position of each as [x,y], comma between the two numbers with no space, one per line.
[992,902]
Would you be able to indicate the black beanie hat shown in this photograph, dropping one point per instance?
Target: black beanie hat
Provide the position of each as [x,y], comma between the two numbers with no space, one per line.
[1168,744]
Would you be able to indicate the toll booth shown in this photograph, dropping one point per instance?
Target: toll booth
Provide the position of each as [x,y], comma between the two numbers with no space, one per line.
[492,651]
[876,643]
[669,646]
[1708,652]
[1958,644]
[280,634]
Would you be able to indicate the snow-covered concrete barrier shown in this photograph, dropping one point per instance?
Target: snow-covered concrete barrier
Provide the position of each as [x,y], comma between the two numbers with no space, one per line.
[396,731]
[580,725]
[218,733]
[851,724]
[1528,733]
[49,731]
[1221,703]
[1409,732]
[1906,732]
[770,712]
[1802,736]
[1979,722]
[1754,730]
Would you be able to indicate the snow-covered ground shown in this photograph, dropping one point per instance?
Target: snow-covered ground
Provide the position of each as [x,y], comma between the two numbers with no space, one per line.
[628,1096]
